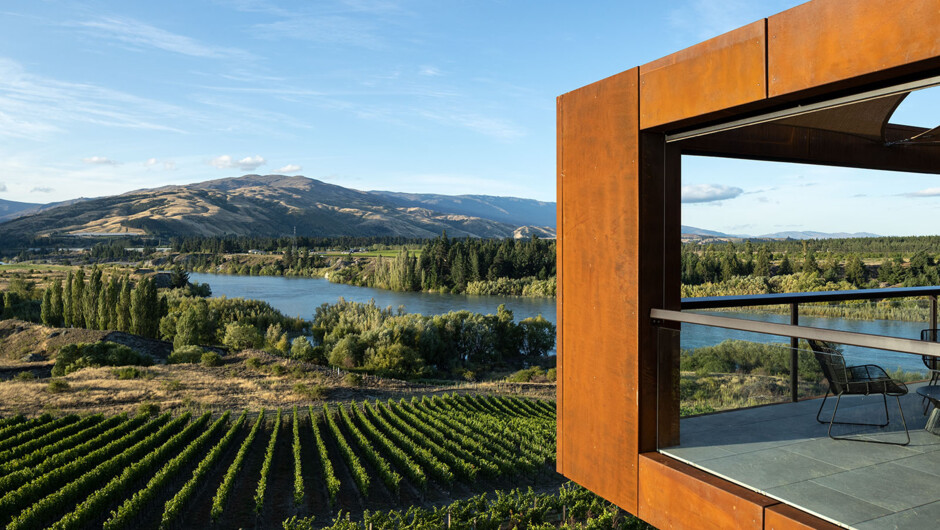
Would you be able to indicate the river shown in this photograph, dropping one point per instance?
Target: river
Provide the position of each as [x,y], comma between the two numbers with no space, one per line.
[301,296]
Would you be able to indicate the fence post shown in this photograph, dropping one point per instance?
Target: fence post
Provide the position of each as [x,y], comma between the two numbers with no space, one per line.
[794,354]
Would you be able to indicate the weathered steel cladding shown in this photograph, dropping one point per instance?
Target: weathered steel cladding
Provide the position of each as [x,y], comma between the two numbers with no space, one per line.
[834,41]
[676,495]
[718,74]
[618,212]
[598,204]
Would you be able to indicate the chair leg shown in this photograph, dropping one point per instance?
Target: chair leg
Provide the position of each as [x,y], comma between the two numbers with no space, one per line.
[887,421]
[818,412]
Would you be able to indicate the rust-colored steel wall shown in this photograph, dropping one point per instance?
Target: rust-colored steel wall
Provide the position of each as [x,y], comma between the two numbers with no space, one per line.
[598,173]
[559,295]
[785,517]
[715,75]
[830,41]
[676,495]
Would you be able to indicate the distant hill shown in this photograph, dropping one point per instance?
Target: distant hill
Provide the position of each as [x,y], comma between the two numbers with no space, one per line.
[10,209]
[269,205]
[816,235]
[509,210]
[702,232]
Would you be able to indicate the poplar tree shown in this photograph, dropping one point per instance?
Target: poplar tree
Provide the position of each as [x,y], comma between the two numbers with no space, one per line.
[45,310]
[124,306]
[90,301]
[67,300]
[78,299]
[57,303]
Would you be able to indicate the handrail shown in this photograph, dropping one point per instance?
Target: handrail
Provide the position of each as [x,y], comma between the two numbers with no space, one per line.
[865,340]
[715,302]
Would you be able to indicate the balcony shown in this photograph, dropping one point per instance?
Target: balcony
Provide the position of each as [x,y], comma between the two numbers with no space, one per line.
[755,423]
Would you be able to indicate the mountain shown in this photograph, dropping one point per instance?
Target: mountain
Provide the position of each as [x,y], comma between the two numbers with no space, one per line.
[31,208]
[509,210]
[816,235]
[11,209]
[269,205]
[702,232]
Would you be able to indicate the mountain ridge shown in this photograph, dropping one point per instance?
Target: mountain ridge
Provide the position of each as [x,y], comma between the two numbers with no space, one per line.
[267,205]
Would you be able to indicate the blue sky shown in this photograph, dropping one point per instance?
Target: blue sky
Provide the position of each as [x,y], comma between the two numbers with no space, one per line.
[103,97]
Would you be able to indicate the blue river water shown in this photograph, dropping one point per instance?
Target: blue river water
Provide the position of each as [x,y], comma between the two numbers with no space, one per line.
[301,296]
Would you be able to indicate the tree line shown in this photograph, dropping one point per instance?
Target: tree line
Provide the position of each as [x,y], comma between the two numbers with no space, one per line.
[454,265]
[722,263]
[105,305]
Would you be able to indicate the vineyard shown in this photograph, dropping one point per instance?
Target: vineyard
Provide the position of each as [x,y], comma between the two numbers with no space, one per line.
[258,469]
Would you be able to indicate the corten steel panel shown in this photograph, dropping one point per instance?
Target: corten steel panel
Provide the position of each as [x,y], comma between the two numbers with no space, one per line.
[600,192]
[720,73]
[829,41]
[559,297]
[676,495]
[786,517]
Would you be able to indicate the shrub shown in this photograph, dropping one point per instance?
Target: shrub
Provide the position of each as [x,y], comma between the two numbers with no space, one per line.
[551,374]
[173,384]
[186,355]
[240,336]
[211,358]
[528,375]
[254,363]
[278,369]
[25,376]
[302,350]
[317,392]
[353,380]
[58,385]
[129,372]
[148,409]
[80,355]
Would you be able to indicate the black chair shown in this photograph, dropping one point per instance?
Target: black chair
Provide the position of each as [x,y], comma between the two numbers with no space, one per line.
[932,363]
[861,380]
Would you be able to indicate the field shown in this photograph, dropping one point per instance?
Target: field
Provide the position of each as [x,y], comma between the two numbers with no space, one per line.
[258,469]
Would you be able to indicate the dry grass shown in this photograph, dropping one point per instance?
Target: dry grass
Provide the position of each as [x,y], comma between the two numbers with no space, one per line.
[231,386]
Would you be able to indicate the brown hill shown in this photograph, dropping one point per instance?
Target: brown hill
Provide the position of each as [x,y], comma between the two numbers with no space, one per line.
[269,205]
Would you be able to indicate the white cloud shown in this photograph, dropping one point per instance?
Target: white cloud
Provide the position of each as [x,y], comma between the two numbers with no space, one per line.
[290,168]
[3,187]
[34,107]
[169,165]
[430,71]
[328,29]
[41,189]
[99,160]
[709,193]
[249,163]
[150,162]
[929,192]
[138,34]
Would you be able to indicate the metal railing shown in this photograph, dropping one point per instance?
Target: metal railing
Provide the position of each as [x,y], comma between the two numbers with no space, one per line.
[795,331]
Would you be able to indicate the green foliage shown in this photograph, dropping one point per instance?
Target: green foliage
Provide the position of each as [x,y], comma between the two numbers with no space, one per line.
[148,409]
[241,336]
[57,386]
[254,363]
[80,355]
[302,350]
[353,380]
[186,355]
[130,372]
[534,374]
[25,375]
[356,335]
[738,356]
[212,359]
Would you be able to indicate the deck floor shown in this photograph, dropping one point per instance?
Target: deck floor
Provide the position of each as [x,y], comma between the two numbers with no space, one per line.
[782,452]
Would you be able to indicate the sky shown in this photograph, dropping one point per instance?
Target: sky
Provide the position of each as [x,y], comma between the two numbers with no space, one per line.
[453,97]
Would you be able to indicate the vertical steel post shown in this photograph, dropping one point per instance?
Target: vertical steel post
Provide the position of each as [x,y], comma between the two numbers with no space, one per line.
[933,318]
[794,354]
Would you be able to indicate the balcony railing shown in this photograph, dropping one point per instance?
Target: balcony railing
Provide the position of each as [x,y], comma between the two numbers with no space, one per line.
[784,450]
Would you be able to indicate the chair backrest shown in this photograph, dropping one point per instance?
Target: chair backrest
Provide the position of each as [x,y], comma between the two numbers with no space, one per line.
[831,363]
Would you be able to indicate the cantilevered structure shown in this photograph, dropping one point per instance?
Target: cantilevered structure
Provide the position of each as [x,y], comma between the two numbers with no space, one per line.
[815,84]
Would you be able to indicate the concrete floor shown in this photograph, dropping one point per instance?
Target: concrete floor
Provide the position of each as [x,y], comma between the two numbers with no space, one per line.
[782,452]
